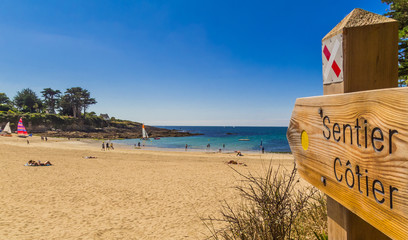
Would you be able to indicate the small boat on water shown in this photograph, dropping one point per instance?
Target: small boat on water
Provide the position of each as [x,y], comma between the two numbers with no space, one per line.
[244,139]
[156,138]
[21,130]
[145,136]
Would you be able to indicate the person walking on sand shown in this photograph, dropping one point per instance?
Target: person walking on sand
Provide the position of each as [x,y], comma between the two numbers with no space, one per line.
[112,146]
[103,146]
[263,150]
[107,146]
[46,139]
[186,147]
[28,142]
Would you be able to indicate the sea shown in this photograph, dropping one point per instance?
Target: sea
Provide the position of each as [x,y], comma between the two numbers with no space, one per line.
[228,139]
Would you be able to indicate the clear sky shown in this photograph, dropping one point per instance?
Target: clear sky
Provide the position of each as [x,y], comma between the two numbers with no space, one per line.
[187,62]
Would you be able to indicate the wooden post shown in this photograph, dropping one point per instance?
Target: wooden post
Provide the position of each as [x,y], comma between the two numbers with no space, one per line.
[366,58]
[368,53]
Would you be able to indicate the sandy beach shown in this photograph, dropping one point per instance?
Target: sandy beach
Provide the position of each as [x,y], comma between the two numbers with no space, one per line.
[121,194]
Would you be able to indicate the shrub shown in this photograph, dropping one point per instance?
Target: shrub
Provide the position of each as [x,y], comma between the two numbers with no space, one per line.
[4,107]
[274,207]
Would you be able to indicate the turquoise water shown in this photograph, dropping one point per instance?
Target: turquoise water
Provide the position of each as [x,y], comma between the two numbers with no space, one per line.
[273,139]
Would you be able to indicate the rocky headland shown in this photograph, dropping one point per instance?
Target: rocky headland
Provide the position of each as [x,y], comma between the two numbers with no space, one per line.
[91,126]
[116,133]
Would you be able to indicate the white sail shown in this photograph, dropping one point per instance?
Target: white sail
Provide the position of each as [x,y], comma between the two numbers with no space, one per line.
[144,133]
[7,128]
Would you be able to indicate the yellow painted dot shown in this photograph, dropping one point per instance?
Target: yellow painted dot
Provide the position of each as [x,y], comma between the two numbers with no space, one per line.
[305,140]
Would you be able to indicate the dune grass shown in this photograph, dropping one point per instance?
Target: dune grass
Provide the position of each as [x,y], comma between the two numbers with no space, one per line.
[273,206]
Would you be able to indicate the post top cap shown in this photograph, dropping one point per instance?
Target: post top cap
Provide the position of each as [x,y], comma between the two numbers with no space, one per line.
[357,18]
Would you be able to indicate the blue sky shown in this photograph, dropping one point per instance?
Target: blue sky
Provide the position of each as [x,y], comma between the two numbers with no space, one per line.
[211,63]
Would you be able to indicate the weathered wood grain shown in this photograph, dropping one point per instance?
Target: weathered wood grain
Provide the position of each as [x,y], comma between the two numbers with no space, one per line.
[385,109]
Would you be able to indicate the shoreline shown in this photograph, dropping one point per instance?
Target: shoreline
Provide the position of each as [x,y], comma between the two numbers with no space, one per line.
[153,148]
[195,150]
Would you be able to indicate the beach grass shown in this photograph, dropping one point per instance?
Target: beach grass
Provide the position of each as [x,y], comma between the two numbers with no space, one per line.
[274,206]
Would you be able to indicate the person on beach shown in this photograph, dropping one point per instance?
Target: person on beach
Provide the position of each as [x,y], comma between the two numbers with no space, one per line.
[138,144]
[112,146]
[186,147]
[28,142]
[263,150]
[32,163]
[42,138]
[107,146]
[103,146]
[46,139]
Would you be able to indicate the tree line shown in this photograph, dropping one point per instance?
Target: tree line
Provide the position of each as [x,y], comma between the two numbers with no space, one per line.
[72,102]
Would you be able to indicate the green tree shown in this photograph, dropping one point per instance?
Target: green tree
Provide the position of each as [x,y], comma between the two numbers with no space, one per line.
[65,106]
[27,101]
[4,99]
[74,100]
[5,103]
[51,98]
[399,11]
[87,100]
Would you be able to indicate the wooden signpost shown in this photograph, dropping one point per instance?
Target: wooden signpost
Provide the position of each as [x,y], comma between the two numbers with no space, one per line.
[352,144]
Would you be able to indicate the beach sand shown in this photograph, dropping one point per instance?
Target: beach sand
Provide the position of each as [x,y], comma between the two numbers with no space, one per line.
[121,194]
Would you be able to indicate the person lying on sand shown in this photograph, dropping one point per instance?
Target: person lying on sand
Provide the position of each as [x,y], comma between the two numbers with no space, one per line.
[88,157]
[236,163]
[239,153]
[34,163]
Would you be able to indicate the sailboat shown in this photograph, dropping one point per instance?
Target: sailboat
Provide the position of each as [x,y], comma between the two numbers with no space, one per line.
[145,136]
[7,130]
[21,130]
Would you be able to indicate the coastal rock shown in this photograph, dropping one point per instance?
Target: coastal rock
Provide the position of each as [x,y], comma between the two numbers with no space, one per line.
[119,133]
